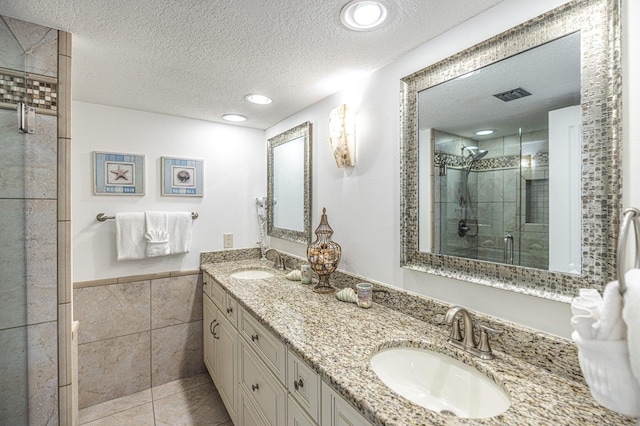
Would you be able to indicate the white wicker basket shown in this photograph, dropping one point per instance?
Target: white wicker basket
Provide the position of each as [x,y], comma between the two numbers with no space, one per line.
[606,369]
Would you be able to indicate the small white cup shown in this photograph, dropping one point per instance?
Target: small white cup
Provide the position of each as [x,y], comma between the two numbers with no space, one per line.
[305,274]
[365,294]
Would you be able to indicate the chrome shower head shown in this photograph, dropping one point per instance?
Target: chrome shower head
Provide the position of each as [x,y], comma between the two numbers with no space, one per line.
[475,153]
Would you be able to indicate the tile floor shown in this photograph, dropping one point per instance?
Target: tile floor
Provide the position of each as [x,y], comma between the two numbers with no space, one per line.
[187,402]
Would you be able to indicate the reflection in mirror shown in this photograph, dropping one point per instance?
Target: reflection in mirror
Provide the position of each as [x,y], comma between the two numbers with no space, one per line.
[289,184]
[534,206]
[506,159]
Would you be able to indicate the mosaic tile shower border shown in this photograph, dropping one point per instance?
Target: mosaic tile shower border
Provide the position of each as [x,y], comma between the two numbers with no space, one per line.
[496,163]
[38,91]
[599,24]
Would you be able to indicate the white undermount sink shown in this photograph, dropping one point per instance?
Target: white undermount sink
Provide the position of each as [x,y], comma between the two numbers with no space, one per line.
[251,274]
[439,383]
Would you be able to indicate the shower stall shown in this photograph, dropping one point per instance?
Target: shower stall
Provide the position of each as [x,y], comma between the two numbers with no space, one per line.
[492,198]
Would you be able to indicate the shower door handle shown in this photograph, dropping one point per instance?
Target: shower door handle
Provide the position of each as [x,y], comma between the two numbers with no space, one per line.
[507,249]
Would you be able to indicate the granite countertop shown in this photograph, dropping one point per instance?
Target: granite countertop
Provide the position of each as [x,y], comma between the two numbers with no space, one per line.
[338,339]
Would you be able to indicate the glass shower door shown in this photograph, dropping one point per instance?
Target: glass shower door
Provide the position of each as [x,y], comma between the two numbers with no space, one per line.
[14,300]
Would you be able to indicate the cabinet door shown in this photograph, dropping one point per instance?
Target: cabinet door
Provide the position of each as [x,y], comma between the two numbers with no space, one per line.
[304,385]
[262,387]
[337,412]
[296,416]
[209,342]
[248,413]
[226,350]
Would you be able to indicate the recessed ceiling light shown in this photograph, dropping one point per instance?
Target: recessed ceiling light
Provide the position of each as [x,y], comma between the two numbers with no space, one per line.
[484,132]
[234,117]
[258,99]
[363,15]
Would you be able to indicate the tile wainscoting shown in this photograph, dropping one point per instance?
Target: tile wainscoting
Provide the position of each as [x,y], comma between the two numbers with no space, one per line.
[137,333]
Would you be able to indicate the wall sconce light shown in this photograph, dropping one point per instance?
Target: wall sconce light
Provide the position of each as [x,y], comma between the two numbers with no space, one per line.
[342,135]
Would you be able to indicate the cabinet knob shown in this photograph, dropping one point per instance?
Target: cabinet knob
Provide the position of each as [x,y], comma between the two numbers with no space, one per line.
[255,387]
[254,338]
[298,384]
[229,310]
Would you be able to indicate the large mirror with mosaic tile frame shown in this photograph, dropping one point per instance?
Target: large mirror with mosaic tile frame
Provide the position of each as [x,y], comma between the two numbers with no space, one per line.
[447,229]
[289,184]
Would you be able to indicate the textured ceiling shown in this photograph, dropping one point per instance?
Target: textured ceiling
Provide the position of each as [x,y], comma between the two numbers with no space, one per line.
[199,58]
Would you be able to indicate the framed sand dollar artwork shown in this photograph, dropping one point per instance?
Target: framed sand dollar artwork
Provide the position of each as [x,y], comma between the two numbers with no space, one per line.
[182,177]
[118,174]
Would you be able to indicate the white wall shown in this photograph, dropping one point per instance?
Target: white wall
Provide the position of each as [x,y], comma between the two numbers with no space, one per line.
[234,171]
[363,203]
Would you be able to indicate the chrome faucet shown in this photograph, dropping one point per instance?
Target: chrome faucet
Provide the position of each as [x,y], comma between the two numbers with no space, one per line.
[467,342]
[278,261]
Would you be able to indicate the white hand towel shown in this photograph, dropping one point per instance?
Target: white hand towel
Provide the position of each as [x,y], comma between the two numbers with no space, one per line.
[130,241]
[179,227]
[157,234]
[631,315]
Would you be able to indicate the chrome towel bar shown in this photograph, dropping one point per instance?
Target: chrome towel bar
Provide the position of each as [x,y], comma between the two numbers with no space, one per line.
[630,215]
[101,217]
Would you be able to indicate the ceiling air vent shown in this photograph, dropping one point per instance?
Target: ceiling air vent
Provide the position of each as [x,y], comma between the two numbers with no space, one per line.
[513,94]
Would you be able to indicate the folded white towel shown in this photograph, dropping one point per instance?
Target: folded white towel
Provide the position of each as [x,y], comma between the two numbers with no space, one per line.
[611,326]
[631,315]
[179,226]
[130,241]
[157,234]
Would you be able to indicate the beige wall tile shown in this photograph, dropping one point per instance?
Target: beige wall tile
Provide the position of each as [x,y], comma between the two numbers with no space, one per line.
[112,310]
[113,368]
[176,352]
[64,179]
[64,97]
[65,291]
[176,300]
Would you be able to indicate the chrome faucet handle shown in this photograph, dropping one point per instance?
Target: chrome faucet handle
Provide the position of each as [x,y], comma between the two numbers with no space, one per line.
[455,331]
[483,346]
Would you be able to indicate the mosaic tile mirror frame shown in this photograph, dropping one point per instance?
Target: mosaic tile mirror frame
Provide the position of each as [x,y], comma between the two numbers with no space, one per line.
[598,22]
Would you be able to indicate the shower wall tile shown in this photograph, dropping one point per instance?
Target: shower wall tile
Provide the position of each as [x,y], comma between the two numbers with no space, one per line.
[511,145]
[41,159]
[176,300]
[40,44]
[12,169]
[42,260]
[65,291]
[13,293]
[112,310]
[11,54]
[14,396]
[29,375]
[495,147]
[28,290]
[176,352]
[113,368]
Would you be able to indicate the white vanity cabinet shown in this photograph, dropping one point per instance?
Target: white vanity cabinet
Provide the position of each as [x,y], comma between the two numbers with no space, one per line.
[220,347]
[260,380]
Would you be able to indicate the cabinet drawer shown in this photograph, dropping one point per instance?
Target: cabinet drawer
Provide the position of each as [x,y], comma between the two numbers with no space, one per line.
[304,385]
[337,412]
[207,281]
[270,349]
[217,294]
[248,413]
[296,416]
[231,310]
[259,385]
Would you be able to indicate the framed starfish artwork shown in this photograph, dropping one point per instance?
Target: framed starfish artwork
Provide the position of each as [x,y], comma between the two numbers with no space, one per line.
[118,174]
[182,176]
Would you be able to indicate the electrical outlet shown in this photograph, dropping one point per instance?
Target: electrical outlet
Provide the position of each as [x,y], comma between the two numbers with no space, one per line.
[228,240]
